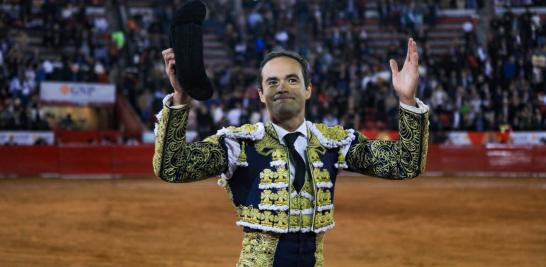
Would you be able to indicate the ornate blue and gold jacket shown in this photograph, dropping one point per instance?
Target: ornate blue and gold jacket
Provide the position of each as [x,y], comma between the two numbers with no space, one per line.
[260,185]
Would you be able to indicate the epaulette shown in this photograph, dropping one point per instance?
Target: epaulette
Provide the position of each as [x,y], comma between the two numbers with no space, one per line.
[332,137]
[247,131]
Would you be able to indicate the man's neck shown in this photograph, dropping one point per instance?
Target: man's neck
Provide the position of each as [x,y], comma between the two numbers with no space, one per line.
[291,124]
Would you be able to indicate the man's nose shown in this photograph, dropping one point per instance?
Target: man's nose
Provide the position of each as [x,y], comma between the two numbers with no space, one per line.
[283,86]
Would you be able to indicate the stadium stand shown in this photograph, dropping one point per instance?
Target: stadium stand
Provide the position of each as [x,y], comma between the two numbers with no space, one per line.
[471,87]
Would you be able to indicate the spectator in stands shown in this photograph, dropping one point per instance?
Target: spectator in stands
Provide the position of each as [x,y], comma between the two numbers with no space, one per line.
[40,141]
[11,141]
[67,123]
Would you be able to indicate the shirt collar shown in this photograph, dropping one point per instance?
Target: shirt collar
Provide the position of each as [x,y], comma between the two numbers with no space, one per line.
[281,132]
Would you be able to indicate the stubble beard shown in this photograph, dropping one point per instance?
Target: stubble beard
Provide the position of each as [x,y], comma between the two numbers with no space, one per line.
[284,111]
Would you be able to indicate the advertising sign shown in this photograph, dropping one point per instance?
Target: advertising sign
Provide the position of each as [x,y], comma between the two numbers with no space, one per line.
[77,93]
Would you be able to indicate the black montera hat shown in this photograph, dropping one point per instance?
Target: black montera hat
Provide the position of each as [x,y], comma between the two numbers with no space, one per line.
[186,38]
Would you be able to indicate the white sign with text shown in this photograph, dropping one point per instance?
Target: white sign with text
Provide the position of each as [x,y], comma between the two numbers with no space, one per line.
[77,93]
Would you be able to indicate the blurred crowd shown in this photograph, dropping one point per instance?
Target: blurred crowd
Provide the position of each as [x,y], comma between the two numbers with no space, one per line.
[500,84]
[471,87]
[70,43]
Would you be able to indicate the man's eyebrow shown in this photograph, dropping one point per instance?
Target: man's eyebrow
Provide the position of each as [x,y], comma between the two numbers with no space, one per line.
[291,75]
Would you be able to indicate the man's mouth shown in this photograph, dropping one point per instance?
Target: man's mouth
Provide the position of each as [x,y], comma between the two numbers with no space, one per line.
[282,97]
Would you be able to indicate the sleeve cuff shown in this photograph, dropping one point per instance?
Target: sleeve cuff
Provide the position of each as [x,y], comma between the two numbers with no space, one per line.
[167,101]
[420,109]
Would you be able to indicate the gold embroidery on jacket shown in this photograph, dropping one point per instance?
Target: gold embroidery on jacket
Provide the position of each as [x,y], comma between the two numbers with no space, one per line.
[321,175]
[269,144]
[281,209]
[324,218]
[279,198]
[254,216]
[176,161]
[314,148]
[405,158]
[331,132]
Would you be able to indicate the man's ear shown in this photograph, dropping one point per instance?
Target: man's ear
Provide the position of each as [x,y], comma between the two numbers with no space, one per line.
[261,93]
[308,91]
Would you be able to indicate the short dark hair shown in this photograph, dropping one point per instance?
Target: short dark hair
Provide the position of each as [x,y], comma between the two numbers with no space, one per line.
[304,64]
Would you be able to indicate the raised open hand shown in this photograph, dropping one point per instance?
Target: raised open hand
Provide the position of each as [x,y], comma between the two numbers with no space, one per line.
[405,80]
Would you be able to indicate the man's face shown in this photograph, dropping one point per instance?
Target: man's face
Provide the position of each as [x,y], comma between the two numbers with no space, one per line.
[283,88]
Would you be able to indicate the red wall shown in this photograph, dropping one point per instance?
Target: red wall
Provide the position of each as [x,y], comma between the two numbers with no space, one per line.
[124,160]
[487,158]
[76,159]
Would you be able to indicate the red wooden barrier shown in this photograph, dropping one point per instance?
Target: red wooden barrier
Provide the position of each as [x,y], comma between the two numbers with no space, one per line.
[450,158]
[132,160]
[68,160]
[85,159]
[87,137]
[487,159]
[29,160]
[121,160]
[539,157]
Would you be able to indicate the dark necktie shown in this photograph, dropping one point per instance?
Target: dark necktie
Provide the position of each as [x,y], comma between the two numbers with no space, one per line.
[299,177]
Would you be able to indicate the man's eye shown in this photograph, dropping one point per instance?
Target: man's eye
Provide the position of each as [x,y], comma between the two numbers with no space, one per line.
[272,83]
[293,81]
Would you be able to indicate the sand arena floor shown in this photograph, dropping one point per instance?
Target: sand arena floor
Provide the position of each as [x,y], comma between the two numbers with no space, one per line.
[429,221]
